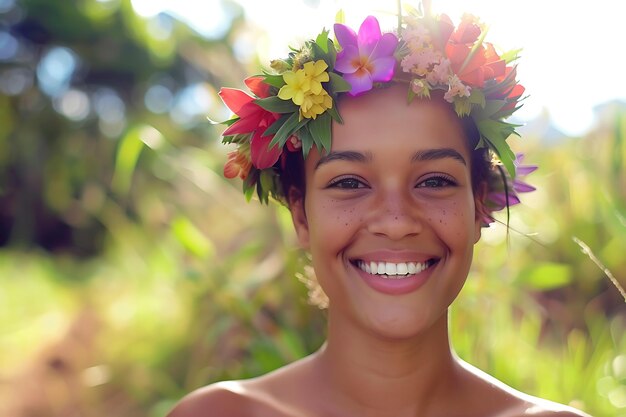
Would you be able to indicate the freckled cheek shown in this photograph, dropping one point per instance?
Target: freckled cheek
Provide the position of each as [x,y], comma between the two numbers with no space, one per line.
[331,220]
[451,217]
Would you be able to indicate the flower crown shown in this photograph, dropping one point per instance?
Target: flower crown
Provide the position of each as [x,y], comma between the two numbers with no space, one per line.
[293,106]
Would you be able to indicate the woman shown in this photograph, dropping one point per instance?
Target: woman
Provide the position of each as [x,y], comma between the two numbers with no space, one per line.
[390,210]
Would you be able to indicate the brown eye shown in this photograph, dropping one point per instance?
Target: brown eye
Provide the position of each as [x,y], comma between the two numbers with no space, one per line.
[348,183]
[439,181]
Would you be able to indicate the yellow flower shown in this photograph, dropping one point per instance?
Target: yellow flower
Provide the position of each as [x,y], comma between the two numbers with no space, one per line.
[315,72]
[297,85]
[315,104]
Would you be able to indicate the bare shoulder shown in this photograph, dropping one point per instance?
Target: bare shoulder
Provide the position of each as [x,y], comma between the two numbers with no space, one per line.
[509,402]
[226,398]
[280,393]
[537,407]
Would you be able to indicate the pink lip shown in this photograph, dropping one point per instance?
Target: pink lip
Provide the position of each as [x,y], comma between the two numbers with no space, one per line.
[397,286]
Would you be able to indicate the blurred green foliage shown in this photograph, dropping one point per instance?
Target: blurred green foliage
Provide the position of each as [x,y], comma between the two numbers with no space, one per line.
[132,273]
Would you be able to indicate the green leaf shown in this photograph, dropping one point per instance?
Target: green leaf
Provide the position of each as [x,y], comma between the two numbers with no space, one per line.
[477,97]
[410,95]
[490,108]
[462,106]
[274,127]
[506,113]
[225,122]
[249,184]
[274,80]
[322,40]
[266,183]
[546,276]
[332,54]
[338,84]
[506,155]
[334,113]
[287,129]
[307,140]
[510,56]
[340,17]
[320,129]
[238,138]
[319,53]
[495,133]
[277,105]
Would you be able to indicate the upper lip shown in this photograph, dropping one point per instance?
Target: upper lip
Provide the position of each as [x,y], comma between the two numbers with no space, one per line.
[385,255]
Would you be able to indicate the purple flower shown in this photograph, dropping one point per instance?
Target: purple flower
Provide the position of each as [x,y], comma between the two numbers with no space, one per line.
[367,57]
[499,199]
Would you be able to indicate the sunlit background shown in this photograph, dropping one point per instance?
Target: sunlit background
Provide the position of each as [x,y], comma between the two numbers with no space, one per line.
[132,273]
[571,50]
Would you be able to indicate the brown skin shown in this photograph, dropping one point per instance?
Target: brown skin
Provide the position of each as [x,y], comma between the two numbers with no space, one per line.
[387,355]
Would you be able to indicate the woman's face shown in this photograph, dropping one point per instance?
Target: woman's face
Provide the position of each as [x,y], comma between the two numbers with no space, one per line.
[389,215]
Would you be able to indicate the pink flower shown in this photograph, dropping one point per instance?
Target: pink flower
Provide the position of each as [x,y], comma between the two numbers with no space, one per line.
[367,57]
[421,62]
[252,119]
[440,72]
[456,88]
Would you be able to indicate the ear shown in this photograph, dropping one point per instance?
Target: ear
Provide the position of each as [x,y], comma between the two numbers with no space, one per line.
[298,216]
[480,210]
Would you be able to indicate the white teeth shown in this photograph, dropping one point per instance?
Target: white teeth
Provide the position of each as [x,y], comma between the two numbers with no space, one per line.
[390,269]
[393,270]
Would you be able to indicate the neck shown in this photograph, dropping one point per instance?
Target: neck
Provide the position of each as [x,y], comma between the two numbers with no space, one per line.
[365,374]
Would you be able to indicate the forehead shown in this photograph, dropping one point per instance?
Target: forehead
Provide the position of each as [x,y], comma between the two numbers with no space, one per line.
[385,117]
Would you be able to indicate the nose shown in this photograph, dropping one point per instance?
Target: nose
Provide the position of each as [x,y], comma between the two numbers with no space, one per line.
[395,215]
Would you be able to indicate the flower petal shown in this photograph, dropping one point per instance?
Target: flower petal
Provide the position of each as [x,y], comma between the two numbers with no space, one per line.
[231,169]
[383,69]
[369,35]
[524,170]
[261,156]
[522,187]
[345,59]
[345,35]
[386,46]
[257,86]
[241,126]
[250,115]
[360,82]
[235,99]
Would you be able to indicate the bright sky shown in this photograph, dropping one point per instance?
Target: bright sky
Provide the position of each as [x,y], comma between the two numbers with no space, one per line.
[572,57]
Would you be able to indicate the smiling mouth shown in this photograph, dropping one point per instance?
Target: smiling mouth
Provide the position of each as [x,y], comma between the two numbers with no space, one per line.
[392,270]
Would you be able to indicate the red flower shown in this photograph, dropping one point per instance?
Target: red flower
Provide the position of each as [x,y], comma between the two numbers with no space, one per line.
[511,92]
[237,165]
[467,32]
[252,119]
[257,85]
[483,64]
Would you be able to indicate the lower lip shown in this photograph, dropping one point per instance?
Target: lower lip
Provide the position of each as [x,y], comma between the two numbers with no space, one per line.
[395,286]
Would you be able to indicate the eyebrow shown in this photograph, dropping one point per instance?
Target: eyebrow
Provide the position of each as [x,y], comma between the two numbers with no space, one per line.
[433,154]
[425,155]
[351,156]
